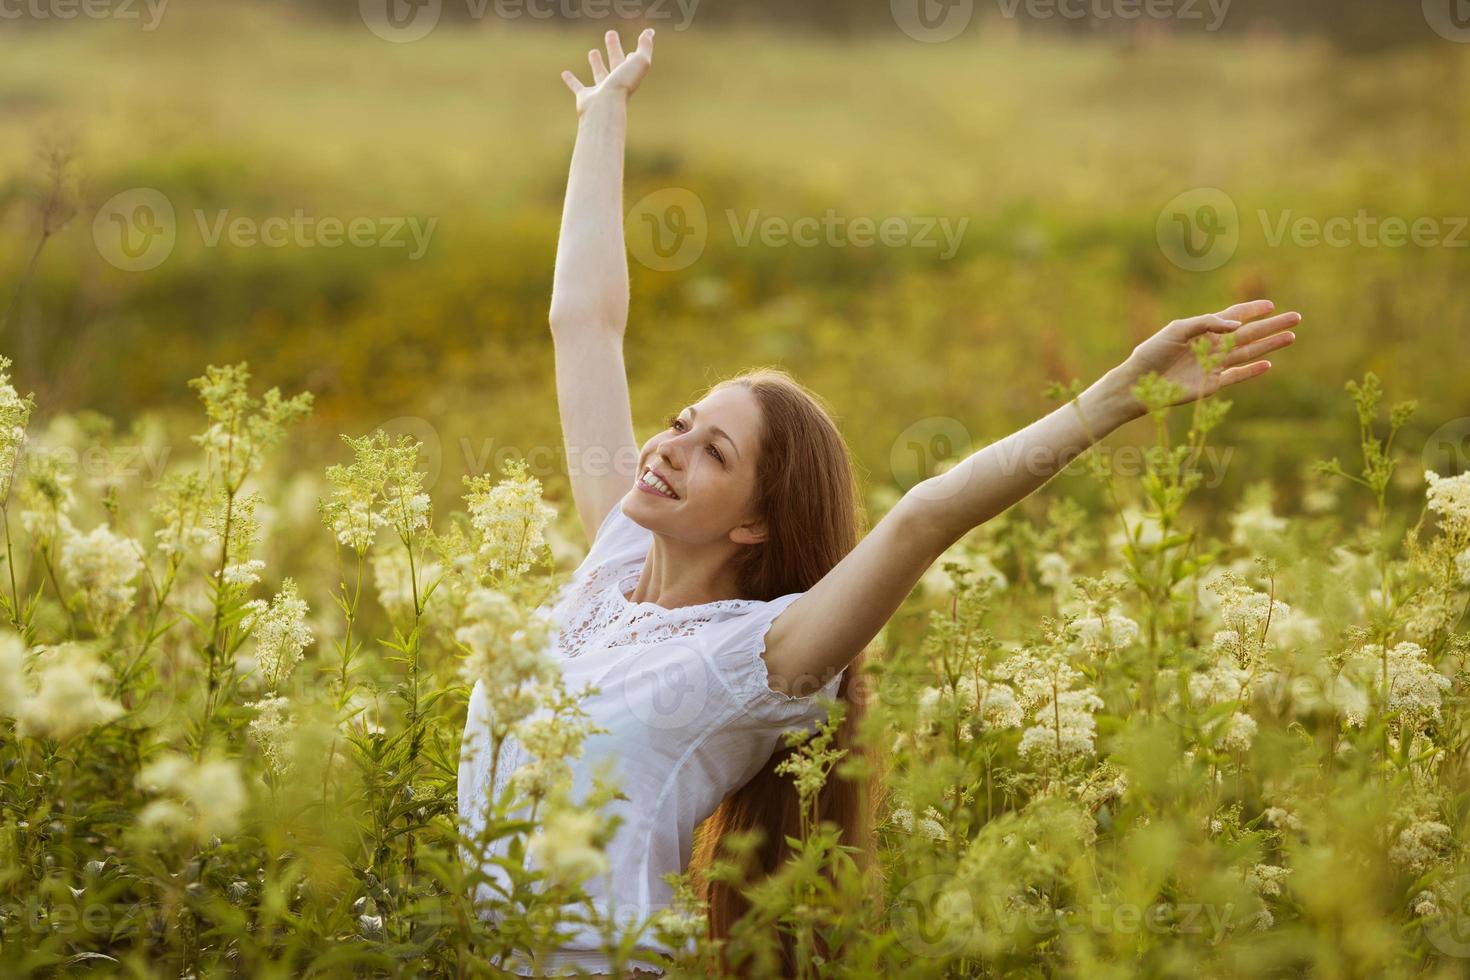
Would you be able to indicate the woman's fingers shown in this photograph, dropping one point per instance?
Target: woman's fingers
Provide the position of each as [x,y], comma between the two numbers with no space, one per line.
[1244,372]
[1197,325]
[599,70]
[1265,328]
[645,44]
[1253,351]
[1248,310]
[573,82]
[614,49]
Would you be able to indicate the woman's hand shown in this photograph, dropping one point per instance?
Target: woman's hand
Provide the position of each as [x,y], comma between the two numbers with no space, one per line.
[619,78]
[1170,352]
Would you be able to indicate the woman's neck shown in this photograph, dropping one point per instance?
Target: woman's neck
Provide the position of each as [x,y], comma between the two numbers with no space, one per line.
[677,574]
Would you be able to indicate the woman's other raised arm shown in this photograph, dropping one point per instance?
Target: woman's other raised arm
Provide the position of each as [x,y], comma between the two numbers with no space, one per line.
[827,627]
[589,294]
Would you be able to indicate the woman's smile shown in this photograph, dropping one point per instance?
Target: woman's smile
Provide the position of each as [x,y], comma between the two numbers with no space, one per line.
[651,482]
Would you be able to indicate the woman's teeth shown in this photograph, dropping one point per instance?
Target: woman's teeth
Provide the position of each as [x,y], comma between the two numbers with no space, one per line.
[650,480]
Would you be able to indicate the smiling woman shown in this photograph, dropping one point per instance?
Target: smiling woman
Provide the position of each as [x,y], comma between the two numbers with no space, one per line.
[738,529]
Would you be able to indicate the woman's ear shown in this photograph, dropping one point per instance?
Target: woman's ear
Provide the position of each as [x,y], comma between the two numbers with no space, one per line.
[751,532]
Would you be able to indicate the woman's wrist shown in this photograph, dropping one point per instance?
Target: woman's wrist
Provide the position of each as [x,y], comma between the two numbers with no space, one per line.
[1109,403]
[612,102]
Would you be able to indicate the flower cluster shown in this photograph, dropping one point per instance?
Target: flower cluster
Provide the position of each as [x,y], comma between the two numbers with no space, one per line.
[57,691]
[199,800]
[15,415]
[278,629]
[101,566]
[509,521]
[1051,692]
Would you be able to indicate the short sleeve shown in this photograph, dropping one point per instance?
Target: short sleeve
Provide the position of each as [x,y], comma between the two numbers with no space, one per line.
[739,653]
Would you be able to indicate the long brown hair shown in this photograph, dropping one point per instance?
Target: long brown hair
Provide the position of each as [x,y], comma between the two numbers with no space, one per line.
[807,492]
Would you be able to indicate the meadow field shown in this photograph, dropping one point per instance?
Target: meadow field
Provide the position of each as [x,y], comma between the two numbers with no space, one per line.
[1197,708]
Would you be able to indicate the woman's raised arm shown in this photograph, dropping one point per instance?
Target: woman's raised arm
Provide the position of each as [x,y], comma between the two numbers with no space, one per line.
[589,293]
[827,627]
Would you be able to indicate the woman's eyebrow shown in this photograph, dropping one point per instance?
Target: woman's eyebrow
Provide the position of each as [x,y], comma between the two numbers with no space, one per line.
[717,431]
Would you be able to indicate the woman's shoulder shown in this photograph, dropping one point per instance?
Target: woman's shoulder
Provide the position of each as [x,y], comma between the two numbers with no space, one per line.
[738,644]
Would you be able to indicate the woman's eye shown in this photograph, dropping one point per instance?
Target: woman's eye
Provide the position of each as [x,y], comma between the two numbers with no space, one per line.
[675,422]
[716,454]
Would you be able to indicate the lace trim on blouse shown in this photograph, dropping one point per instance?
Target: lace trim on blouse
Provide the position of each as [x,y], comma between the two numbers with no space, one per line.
[603,616]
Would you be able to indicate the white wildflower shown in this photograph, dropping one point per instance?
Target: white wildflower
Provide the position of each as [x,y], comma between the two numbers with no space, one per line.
[1241,731]
[244,573]
[271,730]
[1266,879]
[929,825]
[506,648]
[1449,497]
[15,415]
[1054,571]
[1101,632]
[279,632]
[1221,683]
[1420,845]
[1412,685]
[509,519]
[1065,728]
[1282,819]
[201,800]
[66,694]
[1426,905]
[101,566]
[979,704]
[1255,524]
[566,847]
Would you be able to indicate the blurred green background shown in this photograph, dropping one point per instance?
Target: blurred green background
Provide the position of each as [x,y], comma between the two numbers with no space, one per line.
[1063,144]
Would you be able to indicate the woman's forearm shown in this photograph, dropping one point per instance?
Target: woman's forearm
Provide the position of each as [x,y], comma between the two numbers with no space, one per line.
[590,283]
[990,481]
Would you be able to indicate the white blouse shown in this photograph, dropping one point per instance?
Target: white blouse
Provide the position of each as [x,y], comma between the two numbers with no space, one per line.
[690,715]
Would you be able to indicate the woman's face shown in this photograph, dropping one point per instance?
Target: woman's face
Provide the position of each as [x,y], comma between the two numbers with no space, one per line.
[707,455]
